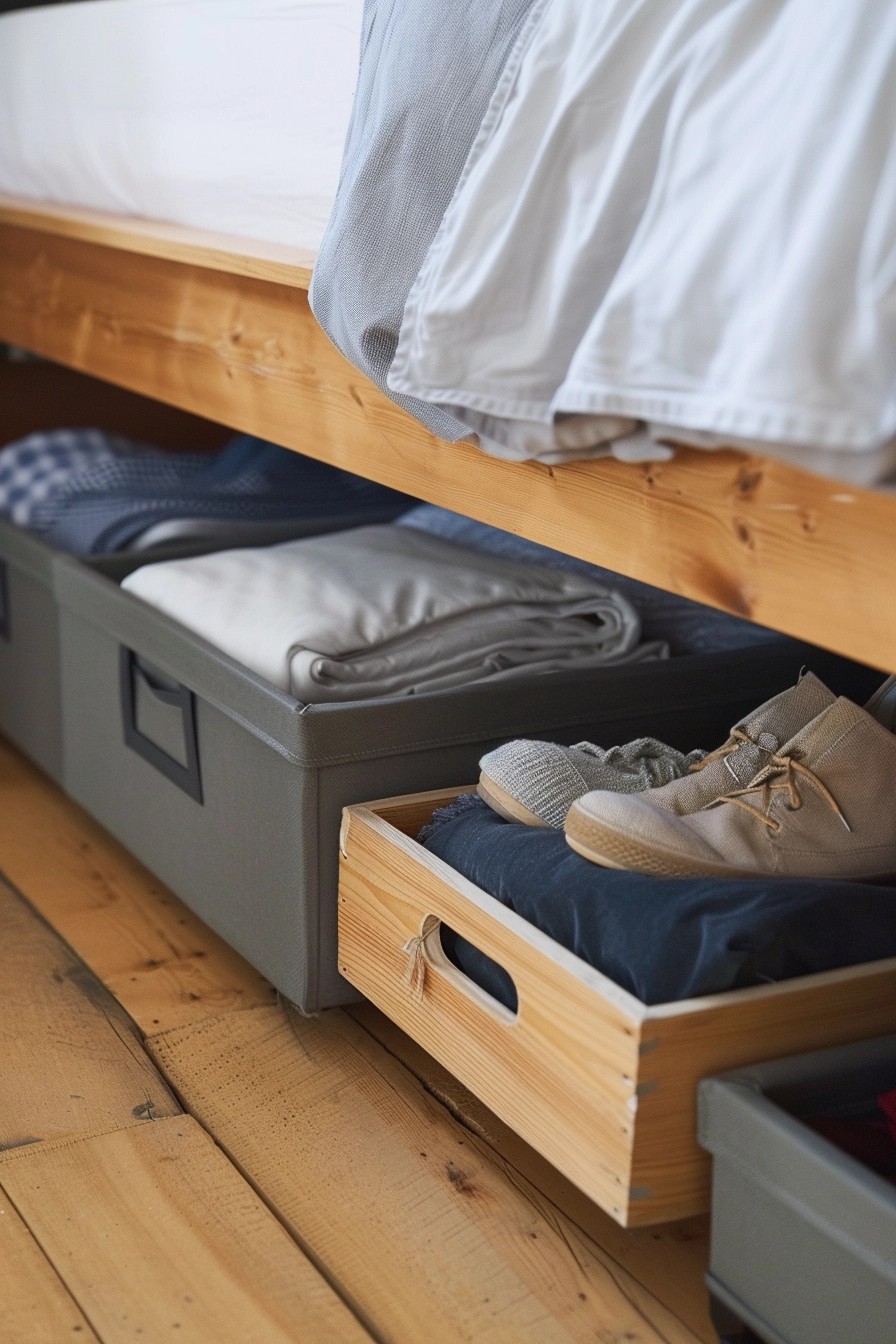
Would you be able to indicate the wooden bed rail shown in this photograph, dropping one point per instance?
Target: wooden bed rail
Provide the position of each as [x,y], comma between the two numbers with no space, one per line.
[221,327]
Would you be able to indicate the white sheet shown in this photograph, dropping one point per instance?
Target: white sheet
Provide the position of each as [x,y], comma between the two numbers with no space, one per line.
[221,114]
[678,211]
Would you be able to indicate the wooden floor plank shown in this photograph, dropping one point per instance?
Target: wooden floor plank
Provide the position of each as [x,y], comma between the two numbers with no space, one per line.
[330,1117]
[161,963]
[157,1236]
[36,1306]
[424,1231]
[671,1258]
[70,1060]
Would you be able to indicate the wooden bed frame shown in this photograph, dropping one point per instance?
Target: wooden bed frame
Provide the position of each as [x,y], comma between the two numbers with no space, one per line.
[221,327]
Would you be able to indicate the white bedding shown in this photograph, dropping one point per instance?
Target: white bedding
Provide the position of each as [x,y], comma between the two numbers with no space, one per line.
[221,114]
[682,212]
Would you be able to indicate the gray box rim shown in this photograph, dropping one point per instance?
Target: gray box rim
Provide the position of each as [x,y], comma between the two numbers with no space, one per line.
[750,1120]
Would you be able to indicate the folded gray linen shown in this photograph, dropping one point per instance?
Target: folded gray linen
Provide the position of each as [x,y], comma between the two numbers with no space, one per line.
[383,610]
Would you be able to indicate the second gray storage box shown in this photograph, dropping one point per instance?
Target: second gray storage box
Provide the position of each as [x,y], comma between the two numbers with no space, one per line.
[803,1235]
[232,792]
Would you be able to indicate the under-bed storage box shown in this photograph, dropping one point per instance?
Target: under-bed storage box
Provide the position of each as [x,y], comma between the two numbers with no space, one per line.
[803,1235]
[30,708]
[244,824]
[600,1084]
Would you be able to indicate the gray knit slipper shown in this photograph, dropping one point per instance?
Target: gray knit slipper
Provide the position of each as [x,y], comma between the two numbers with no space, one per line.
[537,782]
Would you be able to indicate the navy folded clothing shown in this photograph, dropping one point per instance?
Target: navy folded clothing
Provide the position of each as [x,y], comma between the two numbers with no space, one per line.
[104,507]
[686,626]
[662,939]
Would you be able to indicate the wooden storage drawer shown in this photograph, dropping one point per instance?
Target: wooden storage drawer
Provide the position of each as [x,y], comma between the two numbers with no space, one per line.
[602,1085]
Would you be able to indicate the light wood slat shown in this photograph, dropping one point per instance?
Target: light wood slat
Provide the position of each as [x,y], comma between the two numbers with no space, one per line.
[70,1060]
[598,1082]
[425,1233]
[563,1070]
[671,1261]
[156,1235]
[754,537]
[155,238]
[162,963]
[694,1039]
[671,1257]
[35,1306]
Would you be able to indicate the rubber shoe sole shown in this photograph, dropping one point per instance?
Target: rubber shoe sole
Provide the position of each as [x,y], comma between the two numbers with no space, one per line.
[506,806]
[608,849]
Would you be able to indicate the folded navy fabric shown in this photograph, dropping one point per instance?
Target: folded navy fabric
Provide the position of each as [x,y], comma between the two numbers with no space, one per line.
[105,506]
[662,939]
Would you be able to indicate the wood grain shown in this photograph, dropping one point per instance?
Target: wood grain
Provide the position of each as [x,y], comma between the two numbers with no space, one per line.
[70,1060]
[603,1086]
[685,1042]
[750,536]
[156,1235]
[426,1233]
[163,965]
[563,1071]
[671,1258]
[36,1307]
[156,238]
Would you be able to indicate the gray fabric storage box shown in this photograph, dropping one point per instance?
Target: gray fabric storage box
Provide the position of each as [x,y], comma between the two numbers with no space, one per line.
[236,805]
[803,1235]
[30,707]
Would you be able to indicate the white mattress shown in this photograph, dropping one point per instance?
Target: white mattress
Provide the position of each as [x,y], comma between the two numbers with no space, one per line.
[221,114]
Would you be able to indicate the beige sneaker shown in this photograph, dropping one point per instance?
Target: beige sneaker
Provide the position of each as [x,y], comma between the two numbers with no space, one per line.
[822,806]
[751,745]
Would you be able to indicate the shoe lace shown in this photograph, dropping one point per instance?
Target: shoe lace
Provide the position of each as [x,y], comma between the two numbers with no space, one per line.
[734,741]
[738,738]
[781,774]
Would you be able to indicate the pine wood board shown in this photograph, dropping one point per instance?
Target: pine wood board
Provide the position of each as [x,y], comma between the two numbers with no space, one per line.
[427,1234]
[238,343]
[163,965]
[671,1262]
[671,1257]
[563,1070]
[70,1059]
[156,1235]
[37,1308]
[698,1038]
[156,238]
[601,1084]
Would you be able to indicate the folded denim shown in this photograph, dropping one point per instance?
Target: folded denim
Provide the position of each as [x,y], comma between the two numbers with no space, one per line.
[662,939]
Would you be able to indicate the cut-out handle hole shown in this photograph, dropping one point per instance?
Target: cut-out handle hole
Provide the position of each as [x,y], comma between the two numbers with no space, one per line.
[482,972]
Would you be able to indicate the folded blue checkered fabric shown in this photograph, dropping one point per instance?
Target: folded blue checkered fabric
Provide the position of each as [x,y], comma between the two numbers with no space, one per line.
[106,505]
[33,469]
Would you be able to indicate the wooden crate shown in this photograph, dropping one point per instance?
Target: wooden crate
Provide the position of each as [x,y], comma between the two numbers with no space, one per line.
[598,1082]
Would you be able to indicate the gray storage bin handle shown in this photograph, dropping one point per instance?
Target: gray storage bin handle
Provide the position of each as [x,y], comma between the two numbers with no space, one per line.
[187,776]
[5,619]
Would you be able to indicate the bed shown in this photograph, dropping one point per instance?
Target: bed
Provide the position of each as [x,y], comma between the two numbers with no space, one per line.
[206,308]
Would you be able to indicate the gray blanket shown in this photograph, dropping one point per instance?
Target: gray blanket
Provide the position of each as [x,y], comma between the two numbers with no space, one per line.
[388,610]
[426,76]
